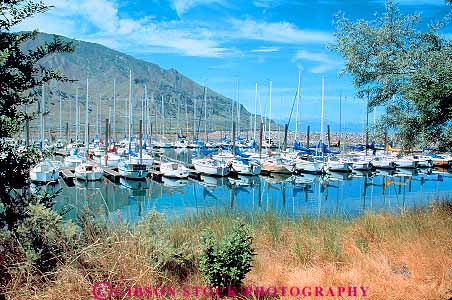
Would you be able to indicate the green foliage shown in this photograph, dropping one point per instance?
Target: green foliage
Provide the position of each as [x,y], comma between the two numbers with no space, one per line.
[164,252]
[407,70]
[226,262]
[43,236]
[31,232]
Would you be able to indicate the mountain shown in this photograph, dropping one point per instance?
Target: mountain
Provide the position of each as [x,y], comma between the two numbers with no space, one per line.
[102,65]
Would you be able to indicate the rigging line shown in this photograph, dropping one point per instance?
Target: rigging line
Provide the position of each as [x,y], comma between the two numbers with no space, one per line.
[291,111]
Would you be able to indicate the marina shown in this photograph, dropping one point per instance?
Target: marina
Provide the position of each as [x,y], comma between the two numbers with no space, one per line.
[344,194]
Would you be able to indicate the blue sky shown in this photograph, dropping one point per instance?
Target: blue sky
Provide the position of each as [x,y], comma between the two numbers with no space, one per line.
[223,41]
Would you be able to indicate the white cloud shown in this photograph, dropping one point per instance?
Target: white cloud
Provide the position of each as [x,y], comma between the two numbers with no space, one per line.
[267,3]
[324,62]
[281,32]
[182,6]
[265,50]
[415,2]
[99,21]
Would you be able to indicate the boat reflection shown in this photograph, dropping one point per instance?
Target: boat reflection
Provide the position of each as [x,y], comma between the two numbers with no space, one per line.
[133,184]
[174,182]
[89,185]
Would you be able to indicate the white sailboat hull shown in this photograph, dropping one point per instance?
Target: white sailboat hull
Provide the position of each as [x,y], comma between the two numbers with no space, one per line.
[111,161]
[335,166]
[309,166]
[174,170]
[45,172]
[405,163]
[72,161]
[130,170]
[252,169]
[204,167]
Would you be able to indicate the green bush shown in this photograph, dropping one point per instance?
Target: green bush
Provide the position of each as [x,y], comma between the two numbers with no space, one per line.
[225,263]
[164,253]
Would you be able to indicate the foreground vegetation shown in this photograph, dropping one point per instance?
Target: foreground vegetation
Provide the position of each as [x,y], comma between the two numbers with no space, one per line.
[406,256]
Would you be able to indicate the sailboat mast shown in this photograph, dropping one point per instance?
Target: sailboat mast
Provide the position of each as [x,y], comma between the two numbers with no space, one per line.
[177,117]
[186,117]
[86,115]
[77,116]
[163,119]
[238,108]
[298,103]
[41,117]
[340,119]
[145,120]
[270,113]
[114,109]
[255,111]
[61,120]
[97,119]
[205,112]
[321,118]
[130,106]
[194,118]
[232,115]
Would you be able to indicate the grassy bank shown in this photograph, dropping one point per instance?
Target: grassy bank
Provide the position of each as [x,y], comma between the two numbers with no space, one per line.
[407,256]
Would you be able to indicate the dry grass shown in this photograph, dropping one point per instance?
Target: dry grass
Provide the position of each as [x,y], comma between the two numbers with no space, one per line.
[408,256]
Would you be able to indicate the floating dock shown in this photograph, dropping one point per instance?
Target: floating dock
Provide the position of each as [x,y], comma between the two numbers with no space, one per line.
[111,174]
[68,175]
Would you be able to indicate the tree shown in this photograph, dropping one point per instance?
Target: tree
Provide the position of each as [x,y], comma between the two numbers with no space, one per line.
[406,70]
[26,229]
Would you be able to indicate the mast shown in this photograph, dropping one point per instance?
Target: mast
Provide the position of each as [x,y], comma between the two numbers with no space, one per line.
[41,117]
[163,119]
[77,116]
[70,120]
[255,111]
[145,120]
[186,117]
[232,111]
[86,115]
[194,118]
[238,109]
[97,119]
[270,113]
[298,103]
[61,120]
[340,119]
[321,118]
[114,109]
[177,118]
[130,106]
[205,112]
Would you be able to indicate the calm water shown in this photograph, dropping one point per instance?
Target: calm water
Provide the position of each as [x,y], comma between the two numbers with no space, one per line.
[340,194]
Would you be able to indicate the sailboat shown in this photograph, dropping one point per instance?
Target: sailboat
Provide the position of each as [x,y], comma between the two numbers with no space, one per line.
[211,166]
[245,166]
[88,172]
[131,168]
[174,170]
[47,170]
[72,160]
[277,165]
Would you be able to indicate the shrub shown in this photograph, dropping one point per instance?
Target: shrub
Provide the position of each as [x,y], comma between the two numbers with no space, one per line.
[225,263]
[164,254]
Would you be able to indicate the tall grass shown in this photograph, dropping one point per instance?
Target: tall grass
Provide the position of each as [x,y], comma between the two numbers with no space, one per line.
[406,256]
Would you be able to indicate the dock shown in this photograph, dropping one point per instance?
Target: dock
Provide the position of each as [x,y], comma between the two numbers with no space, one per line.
[68,175]
[110,173]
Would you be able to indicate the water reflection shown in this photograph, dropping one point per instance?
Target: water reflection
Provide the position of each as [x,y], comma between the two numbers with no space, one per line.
[291,196]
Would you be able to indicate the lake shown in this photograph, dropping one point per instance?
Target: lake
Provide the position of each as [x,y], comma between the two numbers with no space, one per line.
[342,194]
